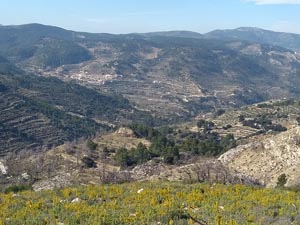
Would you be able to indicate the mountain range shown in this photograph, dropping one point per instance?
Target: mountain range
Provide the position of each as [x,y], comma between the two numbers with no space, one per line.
[72,83]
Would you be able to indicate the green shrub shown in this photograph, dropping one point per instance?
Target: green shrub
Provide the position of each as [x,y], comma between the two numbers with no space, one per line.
[281,181]
[91,145]
[17,188]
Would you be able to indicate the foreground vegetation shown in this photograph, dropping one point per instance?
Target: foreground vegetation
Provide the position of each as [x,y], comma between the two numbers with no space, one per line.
[152,203]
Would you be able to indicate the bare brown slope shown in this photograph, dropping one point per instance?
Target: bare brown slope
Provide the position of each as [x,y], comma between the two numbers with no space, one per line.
[268,158]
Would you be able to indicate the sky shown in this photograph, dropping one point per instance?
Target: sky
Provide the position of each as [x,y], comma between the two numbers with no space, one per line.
[129,16]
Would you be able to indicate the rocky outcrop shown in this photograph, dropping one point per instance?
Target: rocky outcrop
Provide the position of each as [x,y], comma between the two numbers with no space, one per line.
[202,170]
[267,159]
[58,181]
[125,132]
[3,169]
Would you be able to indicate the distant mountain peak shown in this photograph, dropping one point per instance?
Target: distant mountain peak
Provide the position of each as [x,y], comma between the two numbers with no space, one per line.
[251,29]
[174,33]
[253,34]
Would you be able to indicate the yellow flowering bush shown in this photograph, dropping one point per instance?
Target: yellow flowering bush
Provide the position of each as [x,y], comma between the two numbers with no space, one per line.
[152,203]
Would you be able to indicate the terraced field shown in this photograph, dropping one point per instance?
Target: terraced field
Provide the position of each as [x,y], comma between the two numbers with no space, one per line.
[284,112]
[37,112]
[22,128]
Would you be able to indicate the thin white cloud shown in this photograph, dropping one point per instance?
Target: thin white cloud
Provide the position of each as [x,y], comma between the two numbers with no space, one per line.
[274,2]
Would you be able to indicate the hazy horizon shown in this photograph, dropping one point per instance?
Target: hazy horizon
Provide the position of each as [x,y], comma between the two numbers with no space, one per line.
[157,31]
[133,16]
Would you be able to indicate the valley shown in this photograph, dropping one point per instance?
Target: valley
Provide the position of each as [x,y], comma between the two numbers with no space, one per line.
[150,112]
[82,109]
[167,74]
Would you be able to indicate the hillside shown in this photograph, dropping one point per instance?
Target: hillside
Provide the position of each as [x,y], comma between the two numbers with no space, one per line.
[183,76]
[268,158]
[40,46]
[263,153]
[183,152]
[252,120]
[39,112]
[143,153]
